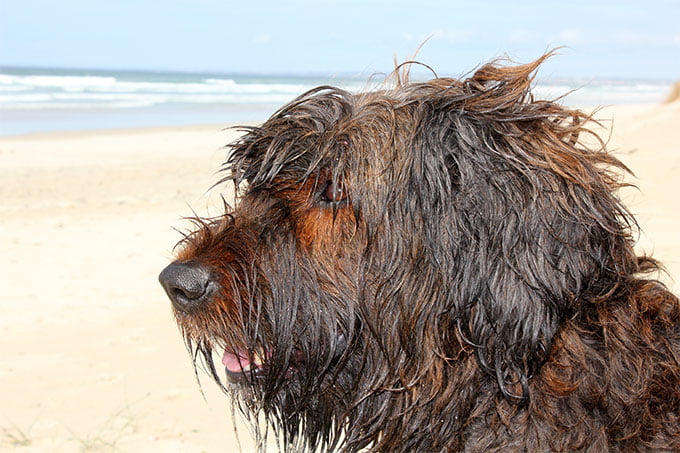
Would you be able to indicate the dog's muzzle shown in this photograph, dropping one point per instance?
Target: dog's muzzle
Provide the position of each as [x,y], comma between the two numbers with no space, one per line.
[188,285]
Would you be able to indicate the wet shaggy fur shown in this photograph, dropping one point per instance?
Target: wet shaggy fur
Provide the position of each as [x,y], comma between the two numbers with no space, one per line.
[436,266]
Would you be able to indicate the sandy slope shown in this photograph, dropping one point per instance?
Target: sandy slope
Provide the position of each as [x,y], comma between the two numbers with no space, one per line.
[90,357]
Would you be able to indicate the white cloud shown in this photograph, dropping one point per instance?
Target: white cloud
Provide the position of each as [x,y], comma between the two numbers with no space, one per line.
[457,36]
[521,36]
[646,39]
[571,36]
[262,39]
[631,37]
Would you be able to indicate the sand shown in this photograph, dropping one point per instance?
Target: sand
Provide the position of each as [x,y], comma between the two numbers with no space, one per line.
[90,357]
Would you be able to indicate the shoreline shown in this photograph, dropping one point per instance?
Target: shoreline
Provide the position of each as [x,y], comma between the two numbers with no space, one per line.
[91,355]
[68,133]
[626,108]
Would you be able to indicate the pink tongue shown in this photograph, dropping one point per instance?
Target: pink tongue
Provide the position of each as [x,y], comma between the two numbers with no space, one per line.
[236,363]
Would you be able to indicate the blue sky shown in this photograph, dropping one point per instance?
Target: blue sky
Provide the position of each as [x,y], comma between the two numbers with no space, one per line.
[630,39]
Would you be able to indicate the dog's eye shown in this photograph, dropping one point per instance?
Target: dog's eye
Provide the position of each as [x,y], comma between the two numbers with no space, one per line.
[334,192]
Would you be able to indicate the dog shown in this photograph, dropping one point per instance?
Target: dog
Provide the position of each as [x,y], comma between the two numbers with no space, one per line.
[432,266]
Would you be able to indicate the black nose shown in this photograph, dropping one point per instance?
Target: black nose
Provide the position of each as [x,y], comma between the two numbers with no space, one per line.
[188,285]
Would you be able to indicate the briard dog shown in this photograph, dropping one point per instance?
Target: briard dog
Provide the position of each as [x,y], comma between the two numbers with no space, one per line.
[432,266]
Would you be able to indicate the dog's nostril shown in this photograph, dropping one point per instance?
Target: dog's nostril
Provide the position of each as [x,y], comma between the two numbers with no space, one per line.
[188,285]
[189,289]
[183,293]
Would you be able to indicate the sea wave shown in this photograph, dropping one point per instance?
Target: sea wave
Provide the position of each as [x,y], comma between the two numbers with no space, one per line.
[63,82]
[604,92]
[31,91]
[36,100]
[38,91]
[83,101]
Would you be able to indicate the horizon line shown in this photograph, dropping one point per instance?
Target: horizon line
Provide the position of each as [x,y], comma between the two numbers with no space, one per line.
[351,75]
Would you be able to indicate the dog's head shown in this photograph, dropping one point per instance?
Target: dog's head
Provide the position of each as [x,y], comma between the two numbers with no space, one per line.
[394,254]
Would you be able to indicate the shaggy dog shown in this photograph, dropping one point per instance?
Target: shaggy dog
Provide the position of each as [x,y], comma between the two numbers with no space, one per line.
[435,266]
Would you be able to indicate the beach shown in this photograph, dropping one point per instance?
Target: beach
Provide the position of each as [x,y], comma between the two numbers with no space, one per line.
[91,358]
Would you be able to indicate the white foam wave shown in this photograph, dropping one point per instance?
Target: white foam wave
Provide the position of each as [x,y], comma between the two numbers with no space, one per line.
[64,82]
[253,88]
[98,84]
[31,92]
[70,91]
[81,101]
[13,88]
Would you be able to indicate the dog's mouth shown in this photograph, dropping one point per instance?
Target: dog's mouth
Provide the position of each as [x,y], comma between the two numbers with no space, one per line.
[241,365]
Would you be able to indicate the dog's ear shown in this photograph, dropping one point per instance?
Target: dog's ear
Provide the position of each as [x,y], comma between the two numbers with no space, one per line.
[532,228]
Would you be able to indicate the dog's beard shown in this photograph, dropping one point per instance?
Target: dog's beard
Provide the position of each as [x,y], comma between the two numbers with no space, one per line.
[296,377]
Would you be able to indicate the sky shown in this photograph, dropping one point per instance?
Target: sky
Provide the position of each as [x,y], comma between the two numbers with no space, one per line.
[623,39]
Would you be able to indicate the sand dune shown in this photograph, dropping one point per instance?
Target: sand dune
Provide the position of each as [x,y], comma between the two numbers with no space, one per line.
[91,357]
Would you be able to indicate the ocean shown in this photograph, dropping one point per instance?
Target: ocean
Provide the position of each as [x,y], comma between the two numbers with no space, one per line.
[46,100]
